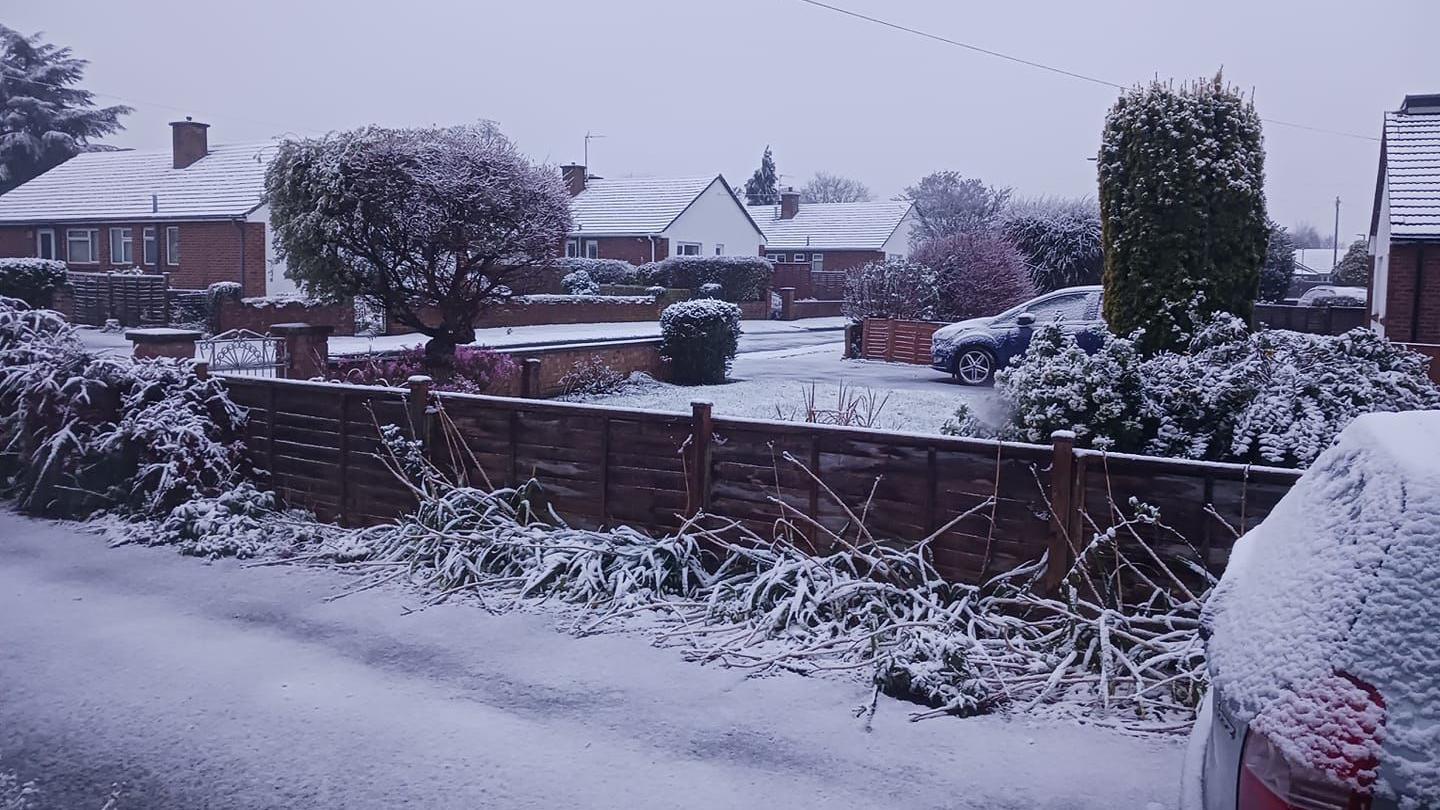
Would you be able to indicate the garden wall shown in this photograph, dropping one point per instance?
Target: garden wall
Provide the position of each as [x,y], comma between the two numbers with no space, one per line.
[259,314]
[603,466]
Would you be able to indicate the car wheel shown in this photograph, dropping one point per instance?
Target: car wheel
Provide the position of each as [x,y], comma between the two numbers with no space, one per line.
[974,366]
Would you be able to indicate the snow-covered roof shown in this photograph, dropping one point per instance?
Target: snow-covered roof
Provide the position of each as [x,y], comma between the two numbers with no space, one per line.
[1412,174]
[107,186]
[635,206]
[1338,588]
[1314,260]
[832,226]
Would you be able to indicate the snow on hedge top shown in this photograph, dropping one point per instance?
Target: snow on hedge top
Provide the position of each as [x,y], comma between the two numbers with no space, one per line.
[831,226]
[1339,587]
[1412,173]
[100,186]
[634,205]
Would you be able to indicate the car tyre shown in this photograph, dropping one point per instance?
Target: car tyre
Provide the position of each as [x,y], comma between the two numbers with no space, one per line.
[974,366]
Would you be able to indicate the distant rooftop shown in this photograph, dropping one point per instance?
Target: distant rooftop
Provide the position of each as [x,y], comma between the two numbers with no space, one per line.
[832,226]
[634,206]
[1412,168]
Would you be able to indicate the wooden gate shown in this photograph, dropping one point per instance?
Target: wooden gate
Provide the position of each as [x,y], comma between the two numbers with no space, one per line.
[897,341]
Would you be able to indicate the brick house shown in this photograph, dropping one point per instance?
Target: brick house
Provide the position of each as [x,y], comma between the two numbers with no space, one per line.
[828,239]
[1405,227]
[193,211]
[647,219]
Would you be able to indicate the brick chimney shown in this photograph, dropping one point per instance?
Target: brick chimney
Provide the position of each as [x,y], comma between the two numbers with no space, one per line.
[188,141]
[574,176]
[789,203]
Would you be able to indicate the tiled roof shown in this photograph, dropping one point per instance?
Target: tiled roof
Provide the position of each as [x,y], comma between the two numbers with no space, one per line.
[1412,174]
[99,186]
[831,226]
[1316,260]
[629,206]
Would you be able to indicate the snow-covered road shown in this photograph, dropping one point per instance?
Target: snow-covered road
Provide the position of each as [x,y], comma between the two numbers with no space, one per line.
[211,685]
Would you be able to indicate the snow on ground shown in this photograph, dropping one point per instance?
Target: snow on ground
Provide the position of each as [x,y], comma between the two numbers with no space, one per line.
[559,333]
[217,685]
[772,384]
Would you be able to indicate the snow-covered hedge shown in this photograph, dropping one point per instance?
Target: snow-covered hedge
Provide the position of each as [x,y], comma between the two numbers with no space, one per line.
[579,282]
[31,280]
[84,433]
[890,288]
[699,338]
[1271,397]
[741,278]
[603,271]
[710,290]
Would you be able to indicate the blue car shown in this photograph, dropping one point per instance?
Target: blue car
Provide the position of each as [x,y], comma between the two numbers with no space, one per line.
[972,350]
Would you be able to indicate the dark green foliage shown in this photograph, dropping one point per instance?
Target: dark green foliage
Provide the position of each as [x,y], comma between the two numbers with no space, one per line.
[1182,203]
[31,280]
[763,187]
[1354,267]
[47,120]
[1060,240]
[699,338]
[1279,265]
[741,278]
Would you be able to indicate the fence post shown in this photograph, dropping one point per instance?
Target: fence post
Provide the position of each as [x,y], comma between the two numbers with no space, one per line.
[419,406]
[1062,500]
[850,328]
[202,370]
[702,429]
[530,378]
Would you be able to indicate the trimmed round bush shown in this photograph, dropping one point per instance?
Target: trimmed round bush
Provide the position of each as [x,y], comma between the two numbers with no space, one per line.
[31,280]
[699,338]
[603,271]
[579,282]
[710,290]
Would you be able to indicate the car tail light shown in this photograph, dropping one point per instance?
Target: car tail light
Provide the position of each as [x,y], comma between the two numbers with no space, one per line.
[1269,781]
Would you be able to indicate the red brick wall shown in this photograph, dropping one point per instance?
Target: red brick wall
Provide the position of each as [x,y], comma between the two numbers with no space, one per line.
[258,316]
[536,313]
[557,361]
[835,259]
[635,250]
[1412,314]
[209,251]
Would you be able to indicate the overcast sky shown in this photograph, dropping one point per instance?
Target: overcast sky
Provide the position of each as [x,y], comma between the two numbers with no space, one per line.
[698,86]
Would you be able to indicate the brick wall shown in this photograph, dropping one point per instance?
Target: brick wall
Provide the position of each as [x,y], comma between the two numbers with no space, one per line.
[635,250]
[209,251]
[258,315]
[626,357]
[1412,302]
[834,259]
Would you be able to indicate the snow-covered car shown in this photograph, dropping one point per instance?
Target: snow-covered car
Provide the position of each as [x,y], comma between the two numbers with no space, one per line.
[973,350]
[1323,637]
[1331,295]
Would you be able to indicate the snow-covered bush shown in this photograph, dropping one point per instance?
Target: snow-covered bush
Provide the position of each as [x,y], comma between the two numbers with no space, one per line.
[891,288]
[591,377]
[31,280]
[741,278]
[699,338]
[474,370]
[1270,397]
[1060,240]
[83,433]
[709,290]
[242,521]
[655,290]
[976,273]
[579,282]
[603,271]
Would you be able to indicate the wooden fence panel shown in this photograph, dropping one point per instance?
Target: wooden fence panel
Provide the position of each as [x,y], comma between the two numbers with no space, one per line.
[603,466]
[133,300]
[897,341]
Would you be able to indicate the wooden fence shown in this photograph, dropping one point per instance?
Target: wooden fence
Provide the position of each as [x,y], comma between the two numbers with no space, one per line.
[133,300]
[897,341]
[1315,320]
[604,466]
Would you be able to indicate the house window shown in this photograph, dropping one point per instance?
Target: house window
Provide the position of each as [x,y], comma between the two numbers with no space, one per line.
[149,246]
[122,246]
[775,257]
[719,248]
[800,257]
[45,243]
[82,245]
[817,262]
[572,248]
[172,245]
[592,249]
[687,249]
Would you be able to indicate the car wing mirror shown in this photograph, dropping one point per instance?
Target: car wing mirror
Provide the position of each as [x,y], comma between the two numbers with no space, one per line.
[1025,319]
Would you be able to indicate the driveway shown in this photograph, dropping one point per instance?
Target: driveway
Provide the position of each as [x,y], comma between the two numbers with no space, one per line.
[215,686]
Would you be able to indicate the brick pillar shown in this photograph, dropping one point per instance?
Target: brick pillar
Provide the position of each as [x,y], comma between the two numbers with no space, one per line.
[307,349]
[530,387]
[787,303]
[178,344]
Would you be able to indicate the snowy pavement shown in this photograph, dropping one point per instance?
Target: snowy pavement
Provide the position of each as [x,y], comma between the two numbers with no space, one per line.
[212,685]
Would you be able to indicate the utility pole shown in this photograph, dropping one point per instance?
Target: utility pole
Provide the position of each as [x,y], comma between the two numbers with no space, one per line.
[1335,245]
[589,135]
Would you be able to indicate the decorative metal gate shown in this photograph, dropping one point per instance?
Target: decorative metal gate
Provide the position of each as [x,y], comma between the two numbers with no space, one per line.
[241,351]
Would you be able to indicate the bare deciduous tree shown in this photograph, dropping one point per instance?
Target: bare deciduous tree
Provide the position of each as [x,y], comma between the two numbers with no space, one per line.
[825,187]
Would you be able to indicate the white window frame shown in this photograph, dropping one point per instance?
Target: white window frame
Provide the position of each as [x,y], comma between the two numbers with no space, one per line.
[122,241]
[689,249]
[40,235]
[799,258]
[592,248]
[149,245]
[719,248]
[572,248]
[172,245]
[775,257]
[90,235]
[817,262]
